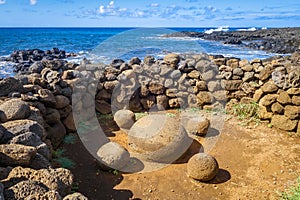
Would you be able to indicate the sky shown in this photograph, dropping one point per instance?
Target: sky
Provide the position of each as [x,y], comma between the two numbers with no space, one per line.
[149,13]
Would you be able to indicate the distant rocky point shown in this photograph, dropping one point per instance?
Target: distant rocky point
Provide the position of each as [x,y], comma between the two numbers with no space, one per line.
[275,40]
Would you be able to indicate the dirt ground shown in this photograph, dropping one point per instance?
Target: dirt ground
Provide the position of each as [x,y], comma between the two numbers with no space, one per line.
[254,164]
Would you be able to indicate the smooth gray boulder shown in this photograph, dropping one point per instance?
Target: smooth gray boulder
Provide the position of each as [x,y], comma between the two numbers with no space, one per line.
[112,155]
[158,138]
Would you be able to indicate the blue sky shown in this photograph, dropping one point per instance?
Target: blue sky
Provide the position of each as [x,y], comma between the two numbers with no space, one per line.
[149,13]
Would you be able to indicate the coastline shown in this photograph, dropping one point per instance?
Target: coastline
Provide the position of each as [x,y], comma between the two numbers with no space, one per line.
[36,106]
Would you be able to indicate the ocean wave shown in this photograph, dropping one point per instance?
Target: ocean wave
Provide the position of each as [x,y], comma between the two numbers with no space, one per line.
[219,29]
[247,29]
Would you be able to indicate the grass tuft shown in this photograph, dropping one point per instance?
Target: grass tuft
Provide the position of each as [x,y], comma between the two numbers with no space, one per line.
[247,113]
[293,193]
[70,139]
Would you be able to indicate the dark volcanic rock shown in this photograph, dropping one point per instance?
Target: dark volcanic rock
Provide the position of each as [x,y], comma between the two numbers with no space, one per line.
[10,85]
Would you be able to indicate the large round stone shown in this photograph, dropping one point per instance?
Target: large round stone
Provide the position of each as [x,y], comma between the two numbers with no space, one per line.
[113,155]
[158,138]
[202,167]
[124,119]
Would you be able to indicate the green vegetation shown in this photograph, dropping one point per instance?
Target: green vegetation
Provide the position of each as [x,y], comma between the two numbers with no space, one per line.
[247,113]
[114,172]
[140,115]
[172,115]
[70,139]
[64,162]
[293,193]
[105,116]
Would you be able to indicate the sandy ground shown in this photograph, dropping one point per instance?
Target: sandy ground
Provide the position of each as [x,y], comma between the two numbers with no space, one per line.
[254,164]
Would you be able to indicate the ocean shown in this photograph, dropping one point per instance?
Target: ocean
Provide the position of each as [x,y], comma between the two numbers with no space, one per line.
[105,44]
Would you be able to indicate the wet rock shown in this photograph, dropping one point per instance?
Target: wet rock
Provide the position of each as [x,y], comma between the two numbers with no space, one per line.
[202,167]
[112,155]
[15,154]
[14,109]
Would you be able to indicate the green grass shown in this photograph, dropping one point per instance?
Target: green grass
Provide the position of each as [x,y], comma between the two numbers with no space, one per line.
[105,116]
[171,115]
[63,161]
[140,115]
[70,139]
[293,193]
[58,153]
[114,172]
[247,113]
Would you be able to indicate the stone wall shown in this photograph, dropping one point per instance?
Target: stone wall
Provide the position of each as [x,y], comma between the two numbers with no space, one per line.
[196,81]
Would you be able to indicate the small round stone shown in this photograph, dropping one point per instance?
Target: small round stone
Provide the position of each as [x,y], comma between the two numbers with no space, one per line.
[202,167]
[113,155]
[124,119]
[198,126]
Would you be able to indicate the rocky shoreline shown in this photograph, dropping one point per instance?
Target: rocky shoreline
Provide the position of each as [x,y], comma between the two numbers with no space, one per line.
[275,40]
[36,106]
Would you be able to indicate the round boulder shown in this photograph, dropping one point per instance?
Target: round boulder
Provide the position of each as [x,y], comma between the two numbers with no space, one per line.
[202,167]
[124,119]
[198,126]
[158,138]
[112,155]
[14,109]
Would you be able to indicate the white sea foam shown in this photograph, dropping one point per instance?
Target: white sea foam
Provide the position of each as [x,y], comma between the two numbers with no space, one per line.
[247,29]
[219,29]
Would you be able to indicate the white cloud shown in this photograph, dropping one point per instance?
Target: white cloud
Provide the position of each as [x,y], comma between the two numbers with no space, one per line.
[101,9]
[154,5]
[2,2]
[33,2]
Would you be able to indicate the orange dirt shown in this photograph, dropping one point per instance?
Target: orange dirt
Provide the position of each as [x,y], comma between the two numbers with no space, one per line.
[254,164]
